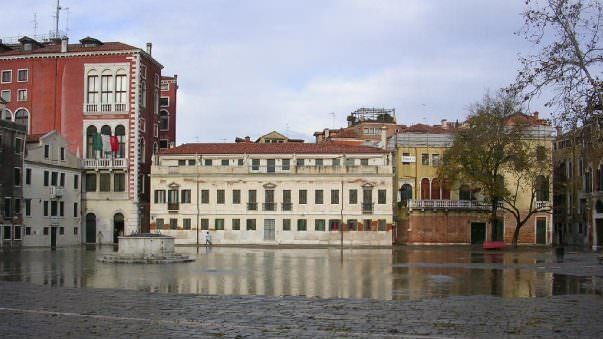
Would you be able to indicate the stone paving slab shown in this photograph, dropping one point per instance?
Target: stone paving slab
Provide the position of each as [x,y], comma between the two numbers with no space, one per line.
[28,311]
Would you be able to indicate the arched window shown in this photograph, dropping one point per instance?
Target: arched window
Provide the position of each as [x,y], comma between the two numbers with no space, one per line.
[155,147]
[92,87]
[542,188]
[121,87]
[105,137]
[90,136]
[164,120]
[406,192]
[106,86]
[435,189]
[445,190]
[142,151]
[22,118]
[7,115]
[425,189]
[120,133]
[464,192]
[156,101]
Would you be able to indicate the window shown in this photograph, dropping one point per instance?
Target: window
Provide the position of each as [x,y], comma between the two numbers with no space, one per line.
[143,93]
[17,206]
[270,165]
[159,223]
[181,162]
[54,208]
[186,223]
[250,225]
[318,162]
[353,196]
[160,196]
[17,176]
[27,230]
[172,197]
[92,85]
[119,182]
[303,196]
[18,145]
[105,182]
[540,153]
[207,162]
[121,88]
[62,180]
[22,118]
[61,230]
[76,181]
[205,196]
[367,225]
[336,162]
[334,196]
[352,225]
[173,224]
[236,196]
[382,225]
[435,160]
[17,234]
[286,224]
[164,101]
[62,153]
[300,162]
[364,162]
[319,225]
[54,177]
[381,196]
[45,178]
[255,164]
[219,223]
[75,210]
[224,162]
[45,208]
[7,233]
[318,197]
[7,76]
[28,176]
[192,162]
[286,164]
[236,224]
[164,120]
[27,207]
[185,196]
[163,143]
[5,94]
[334,224]
[61,208]
[425,159]
[22,75]
[45,230]
[301,225]
[220,196]
[75,230]
[22,95]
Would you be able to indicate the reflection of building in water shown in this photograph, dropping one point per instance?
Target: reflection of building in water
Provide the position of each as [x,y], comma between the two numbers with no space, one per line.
[442,273]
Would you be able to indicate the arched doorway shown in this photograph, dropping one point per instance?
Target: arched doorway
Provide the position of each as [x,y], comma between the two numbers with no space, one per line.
[118,226]
[90,228]
[406,192]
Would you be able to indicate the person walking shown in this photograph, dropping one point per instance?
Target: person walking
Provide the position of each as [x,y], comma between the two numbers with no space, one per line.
[207,238]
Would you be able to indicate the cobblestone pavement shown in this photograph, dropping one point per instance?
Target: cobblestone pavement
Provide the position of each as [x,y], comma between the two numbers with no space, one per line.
[28,310]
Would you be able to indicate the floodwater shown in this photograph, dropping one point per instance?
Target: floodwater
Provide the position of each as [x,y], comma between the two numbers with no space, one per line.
[385,274]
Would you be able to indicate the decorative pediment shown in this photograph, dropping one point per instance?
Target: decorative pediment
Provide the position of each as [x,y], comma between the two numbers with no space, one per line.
[173,185]
[367,186]
[269,186]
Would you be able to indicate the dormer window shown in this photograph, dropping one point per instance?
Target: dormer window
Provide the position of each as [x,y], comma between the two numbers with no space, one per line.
[90,42]
[28,43]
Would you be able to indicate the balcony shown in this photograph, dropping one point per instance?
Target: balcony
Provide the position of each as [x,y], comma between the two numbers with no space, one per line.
[543,204]
[55,221]
[408,159]
[287,206]
[367,207]
[252,206]
[95,108]
[56,192]
[106,163]
[449,204]
[173,206]
[269,206]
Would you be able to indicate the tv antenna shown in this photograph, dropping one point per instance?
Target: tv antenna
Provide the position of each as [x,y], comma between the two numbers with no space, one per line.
[57,17]
[35,24]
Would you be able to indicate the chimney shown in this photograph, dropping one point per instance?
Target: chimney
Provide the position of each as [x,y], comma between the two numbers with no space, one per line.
[149,48]
[384,137]
[535,115]
[444,123]
[247,139]
[326,133]
[64,44]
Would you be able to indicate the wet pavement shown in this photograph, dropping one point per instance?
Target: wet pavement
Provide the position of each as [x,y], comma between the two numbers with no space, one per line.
[413,292]
[384,274]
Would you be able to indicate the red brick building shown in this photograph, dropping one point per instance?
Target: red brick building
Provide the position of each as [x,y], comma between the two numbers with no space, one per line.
[167,112]
[103,97]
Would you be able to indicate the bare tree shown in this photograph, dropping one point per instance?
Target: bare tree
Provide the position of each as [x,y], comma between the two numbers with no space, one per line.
[568,62]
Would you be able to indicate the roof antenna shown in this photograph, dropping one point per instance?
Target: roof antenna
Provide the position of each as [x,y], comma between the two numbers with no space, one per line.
[35,24]
[56,19]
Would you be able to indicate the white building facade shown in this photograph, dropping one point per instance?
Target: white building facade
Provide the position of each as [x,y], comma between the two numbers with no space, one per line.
[273,194]
[52,199]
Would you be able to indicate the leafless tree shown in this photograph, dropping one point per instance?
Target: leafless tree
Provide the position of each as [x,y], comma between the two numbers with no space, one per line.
[568,61]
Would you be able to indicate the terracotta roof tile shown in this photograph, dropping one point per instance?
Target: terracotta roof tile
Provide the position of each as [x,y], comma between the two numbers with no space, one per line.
[284,148]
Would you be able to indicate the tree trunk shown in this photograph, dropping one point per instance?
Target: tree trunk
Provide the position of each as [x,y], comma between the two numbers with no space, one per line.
[516,233]
[494,219]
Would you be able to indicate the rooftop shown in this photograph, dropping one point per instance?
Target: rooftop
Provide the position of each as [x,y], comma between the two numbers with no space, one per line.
[278,148]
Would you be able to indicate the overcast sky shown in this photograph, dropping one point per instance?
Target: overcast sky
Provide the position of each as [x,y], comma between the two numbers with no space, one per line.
[248,67]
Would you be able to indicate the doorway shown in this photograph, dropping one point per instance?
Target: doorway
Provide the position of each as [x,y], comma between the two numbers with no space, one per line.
[599,232]
[53,237]
[541,231]
[118,226]
[478,232]
[90,228]
[269,230]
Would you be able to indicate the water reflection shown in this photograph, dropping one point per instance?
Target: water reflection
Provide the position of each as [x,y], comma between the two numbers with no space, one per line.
[361,273]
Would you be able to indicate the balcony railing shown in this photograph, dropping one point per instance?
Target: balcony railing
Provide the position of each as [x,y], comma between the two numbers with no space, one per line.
[449,204]
[55,221]
[543,204]
[408,159]
[269,206]
[367,207]
[252,206]
[173,206]
[287,206]
[105,107]
[106,163]
[56,192]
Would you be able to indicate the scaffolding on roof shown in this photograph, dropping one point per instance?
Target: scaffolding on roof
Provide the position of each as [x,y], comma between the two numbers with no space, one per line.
[387,115]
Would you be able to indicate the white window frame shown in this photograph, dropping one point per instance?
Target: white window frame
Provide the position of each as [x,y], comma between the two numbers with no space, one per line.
[9,95]
[2,76]
[19,91]
[166,88]
[27,72]
[143,71]
[168,101]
